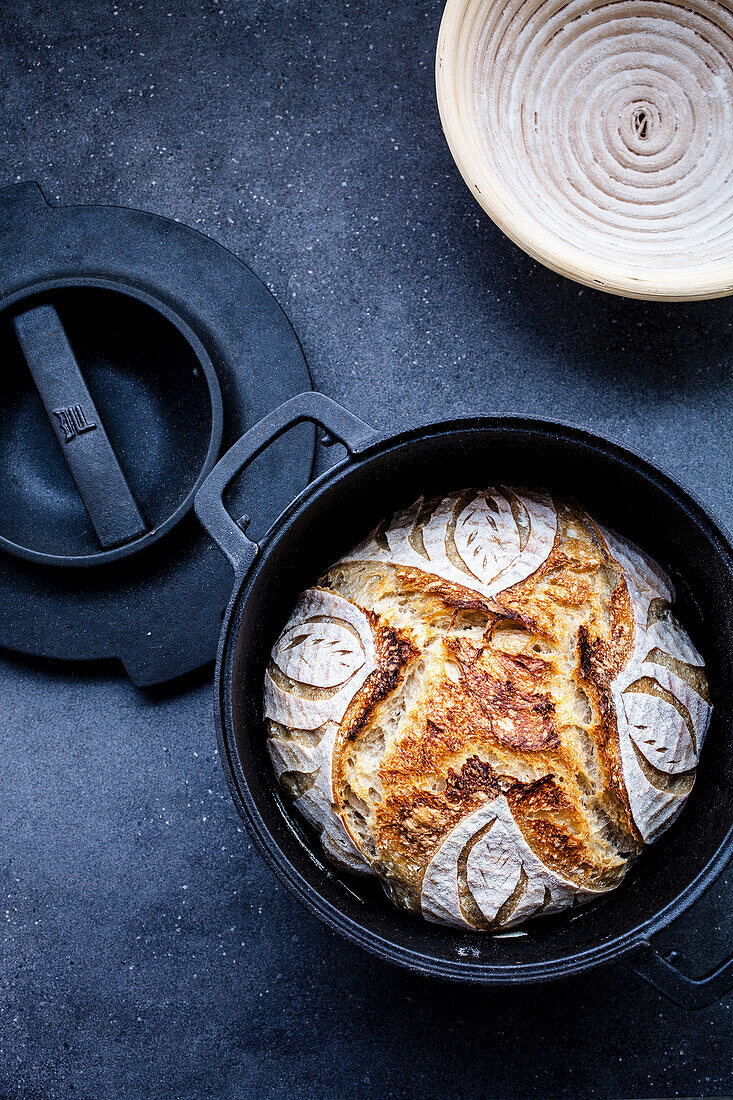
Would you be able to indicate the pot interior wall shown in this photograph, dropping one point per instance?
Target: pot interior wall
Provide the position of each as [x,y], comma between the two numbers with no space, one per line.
[340,510]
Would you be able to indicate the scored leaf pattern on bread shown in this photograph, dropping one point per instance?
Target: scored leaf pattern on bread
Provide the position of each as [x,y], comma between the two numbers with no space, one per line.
[662,712]
[318,665]
[486,541]
[487,854]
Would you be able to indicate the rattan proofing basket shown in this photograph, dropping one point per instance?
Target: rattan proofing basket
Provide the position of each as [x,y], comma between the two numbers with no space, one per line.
[599,135]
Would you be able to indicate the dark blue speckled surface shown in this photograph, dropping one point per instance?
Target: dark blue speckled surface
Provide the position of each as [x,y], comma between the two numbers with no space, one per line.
[146,949]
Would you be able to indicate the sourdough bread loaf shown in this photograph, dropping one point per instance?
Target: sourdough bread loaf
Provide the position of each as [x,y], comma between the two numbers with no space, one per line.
[490,705]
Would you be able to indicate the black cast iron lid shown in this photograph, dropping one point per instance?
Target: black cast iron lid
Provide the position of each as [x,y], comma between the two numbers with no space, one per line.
[134,349]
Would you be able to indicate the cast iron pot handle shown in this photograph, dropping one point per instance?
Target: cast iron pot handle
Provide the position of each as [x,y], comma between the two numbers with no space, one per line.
[687,992]
[209,503]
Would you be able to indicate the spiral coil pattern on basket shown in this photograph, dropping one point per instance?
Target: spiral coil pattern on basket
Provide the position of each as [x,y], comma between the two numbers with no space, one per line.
[609,125]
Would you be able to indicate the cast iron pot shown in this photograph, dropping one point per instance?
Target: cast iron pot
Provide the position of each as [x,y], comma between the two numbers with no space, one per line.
[379,474]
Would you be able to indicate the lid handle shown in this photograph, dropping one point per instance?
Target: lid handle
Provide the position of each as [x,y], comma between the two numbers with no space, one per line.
[78,427]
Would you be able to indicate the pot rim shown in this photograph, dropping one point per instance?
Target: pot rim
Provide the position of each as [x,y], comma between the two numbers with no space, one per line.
[459,969]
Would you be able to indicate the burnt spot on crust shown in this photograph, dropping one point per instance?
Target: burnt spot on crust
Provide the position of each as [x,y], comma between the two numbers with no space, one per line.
[595,659]
[501,692]
[475,776]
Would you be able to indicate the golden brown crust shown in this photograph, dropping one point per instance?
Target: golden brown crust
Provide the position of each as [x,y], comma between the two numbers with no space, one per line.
[501,694]
[579,576]
[493,710]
